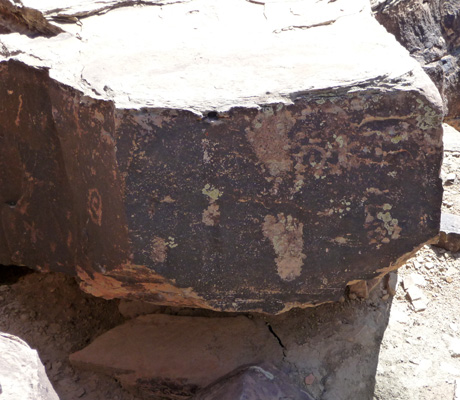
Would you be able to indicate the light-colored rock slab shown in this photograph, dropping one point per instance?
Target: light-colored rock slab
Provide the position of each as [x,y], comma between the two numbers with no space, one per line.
[204,55]
[22,375]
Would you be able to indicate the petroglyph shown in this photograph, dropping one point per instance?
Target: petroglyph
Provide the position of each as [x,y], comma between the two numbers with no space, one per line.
[286,235]
[159,250]
[269,139]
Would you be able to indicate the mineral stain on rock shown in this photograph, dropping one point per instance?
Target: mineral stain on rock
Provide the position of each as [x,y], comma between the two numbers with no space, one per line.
[286,235]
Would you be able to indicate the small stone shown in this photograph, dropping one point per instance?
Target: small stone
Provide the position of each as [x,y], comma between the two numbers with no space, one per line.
[392,283]
[454,347]
[448,279]
[385,297]
[429,265]
[451,177]
[310,379]
[352,296]
[419,305]
[360,289]
[414,293]
[342,299]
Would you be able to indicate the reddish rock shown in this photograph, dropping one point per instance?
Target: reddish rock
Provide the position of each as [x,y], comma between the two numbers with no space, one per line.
[175,356]
[359,289]
[153,172]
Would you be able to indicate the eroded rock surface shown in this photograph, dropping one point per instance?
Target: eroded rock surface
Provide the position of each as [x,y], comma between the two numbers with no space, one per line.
[430,30]
[260,169]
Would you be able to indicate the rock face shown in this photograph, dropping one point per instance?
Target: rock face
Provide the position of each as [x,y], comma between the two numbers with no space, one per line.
[430,30]
[256,382]
[22,375]
[251,169]
[173,357]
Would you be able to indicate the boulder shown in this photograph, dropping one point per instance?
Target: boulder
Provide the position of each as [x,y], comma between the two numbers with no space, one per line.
[430,30]
[236,156]
[449,235]
[254,382]
[172,357]
[22,375]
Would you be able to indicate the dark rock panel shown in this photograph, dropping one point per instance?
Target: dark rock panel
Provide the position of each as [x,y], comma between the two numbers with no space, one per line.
[170,180]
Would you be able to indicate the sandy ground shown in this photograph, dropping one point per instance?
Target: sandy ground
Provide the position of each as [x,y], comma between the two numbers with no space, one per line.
[378,348]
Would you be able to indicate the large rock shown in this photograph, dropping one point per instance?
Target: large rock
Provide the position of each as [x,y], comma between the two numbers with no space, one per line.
[254,382]
[172,357]
[22,375]
[227,155]
[430,30]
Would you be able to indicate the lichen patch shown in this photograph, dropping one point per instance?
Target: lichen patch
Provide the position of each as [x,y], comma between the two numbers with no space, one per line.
[286,236]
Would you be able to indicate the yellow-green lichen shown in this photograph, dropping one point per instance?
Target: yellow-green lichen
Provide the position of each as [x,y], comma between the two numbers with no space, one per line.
[211,192]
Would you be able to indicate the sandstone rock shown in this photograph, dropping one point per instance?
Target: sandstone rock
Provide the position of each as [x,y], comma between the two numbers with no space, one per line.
[359,289]
[258,168]
[22,375]
[449,236]
[175,356]
[256,382]
[430,30]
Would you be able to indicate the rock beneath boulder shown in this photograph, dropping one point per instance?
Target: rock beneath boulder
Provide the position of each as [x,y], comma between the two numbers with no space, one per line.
[22,375]
[174,356]
[430,30]
[256,165]
[255,382]
[449,236]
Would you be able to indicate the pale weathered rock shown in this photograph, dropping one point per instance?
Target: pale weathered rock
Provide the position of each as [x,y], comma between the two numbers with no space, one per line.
[391,283]
[451,138]
[255,382]
[257,168]
[430,30]
[449,236]
[22,375]
[175,356]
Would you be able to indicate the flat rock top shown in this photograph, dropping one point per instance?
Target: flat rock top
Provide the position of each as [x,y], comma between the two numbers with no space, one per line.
[205,55]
